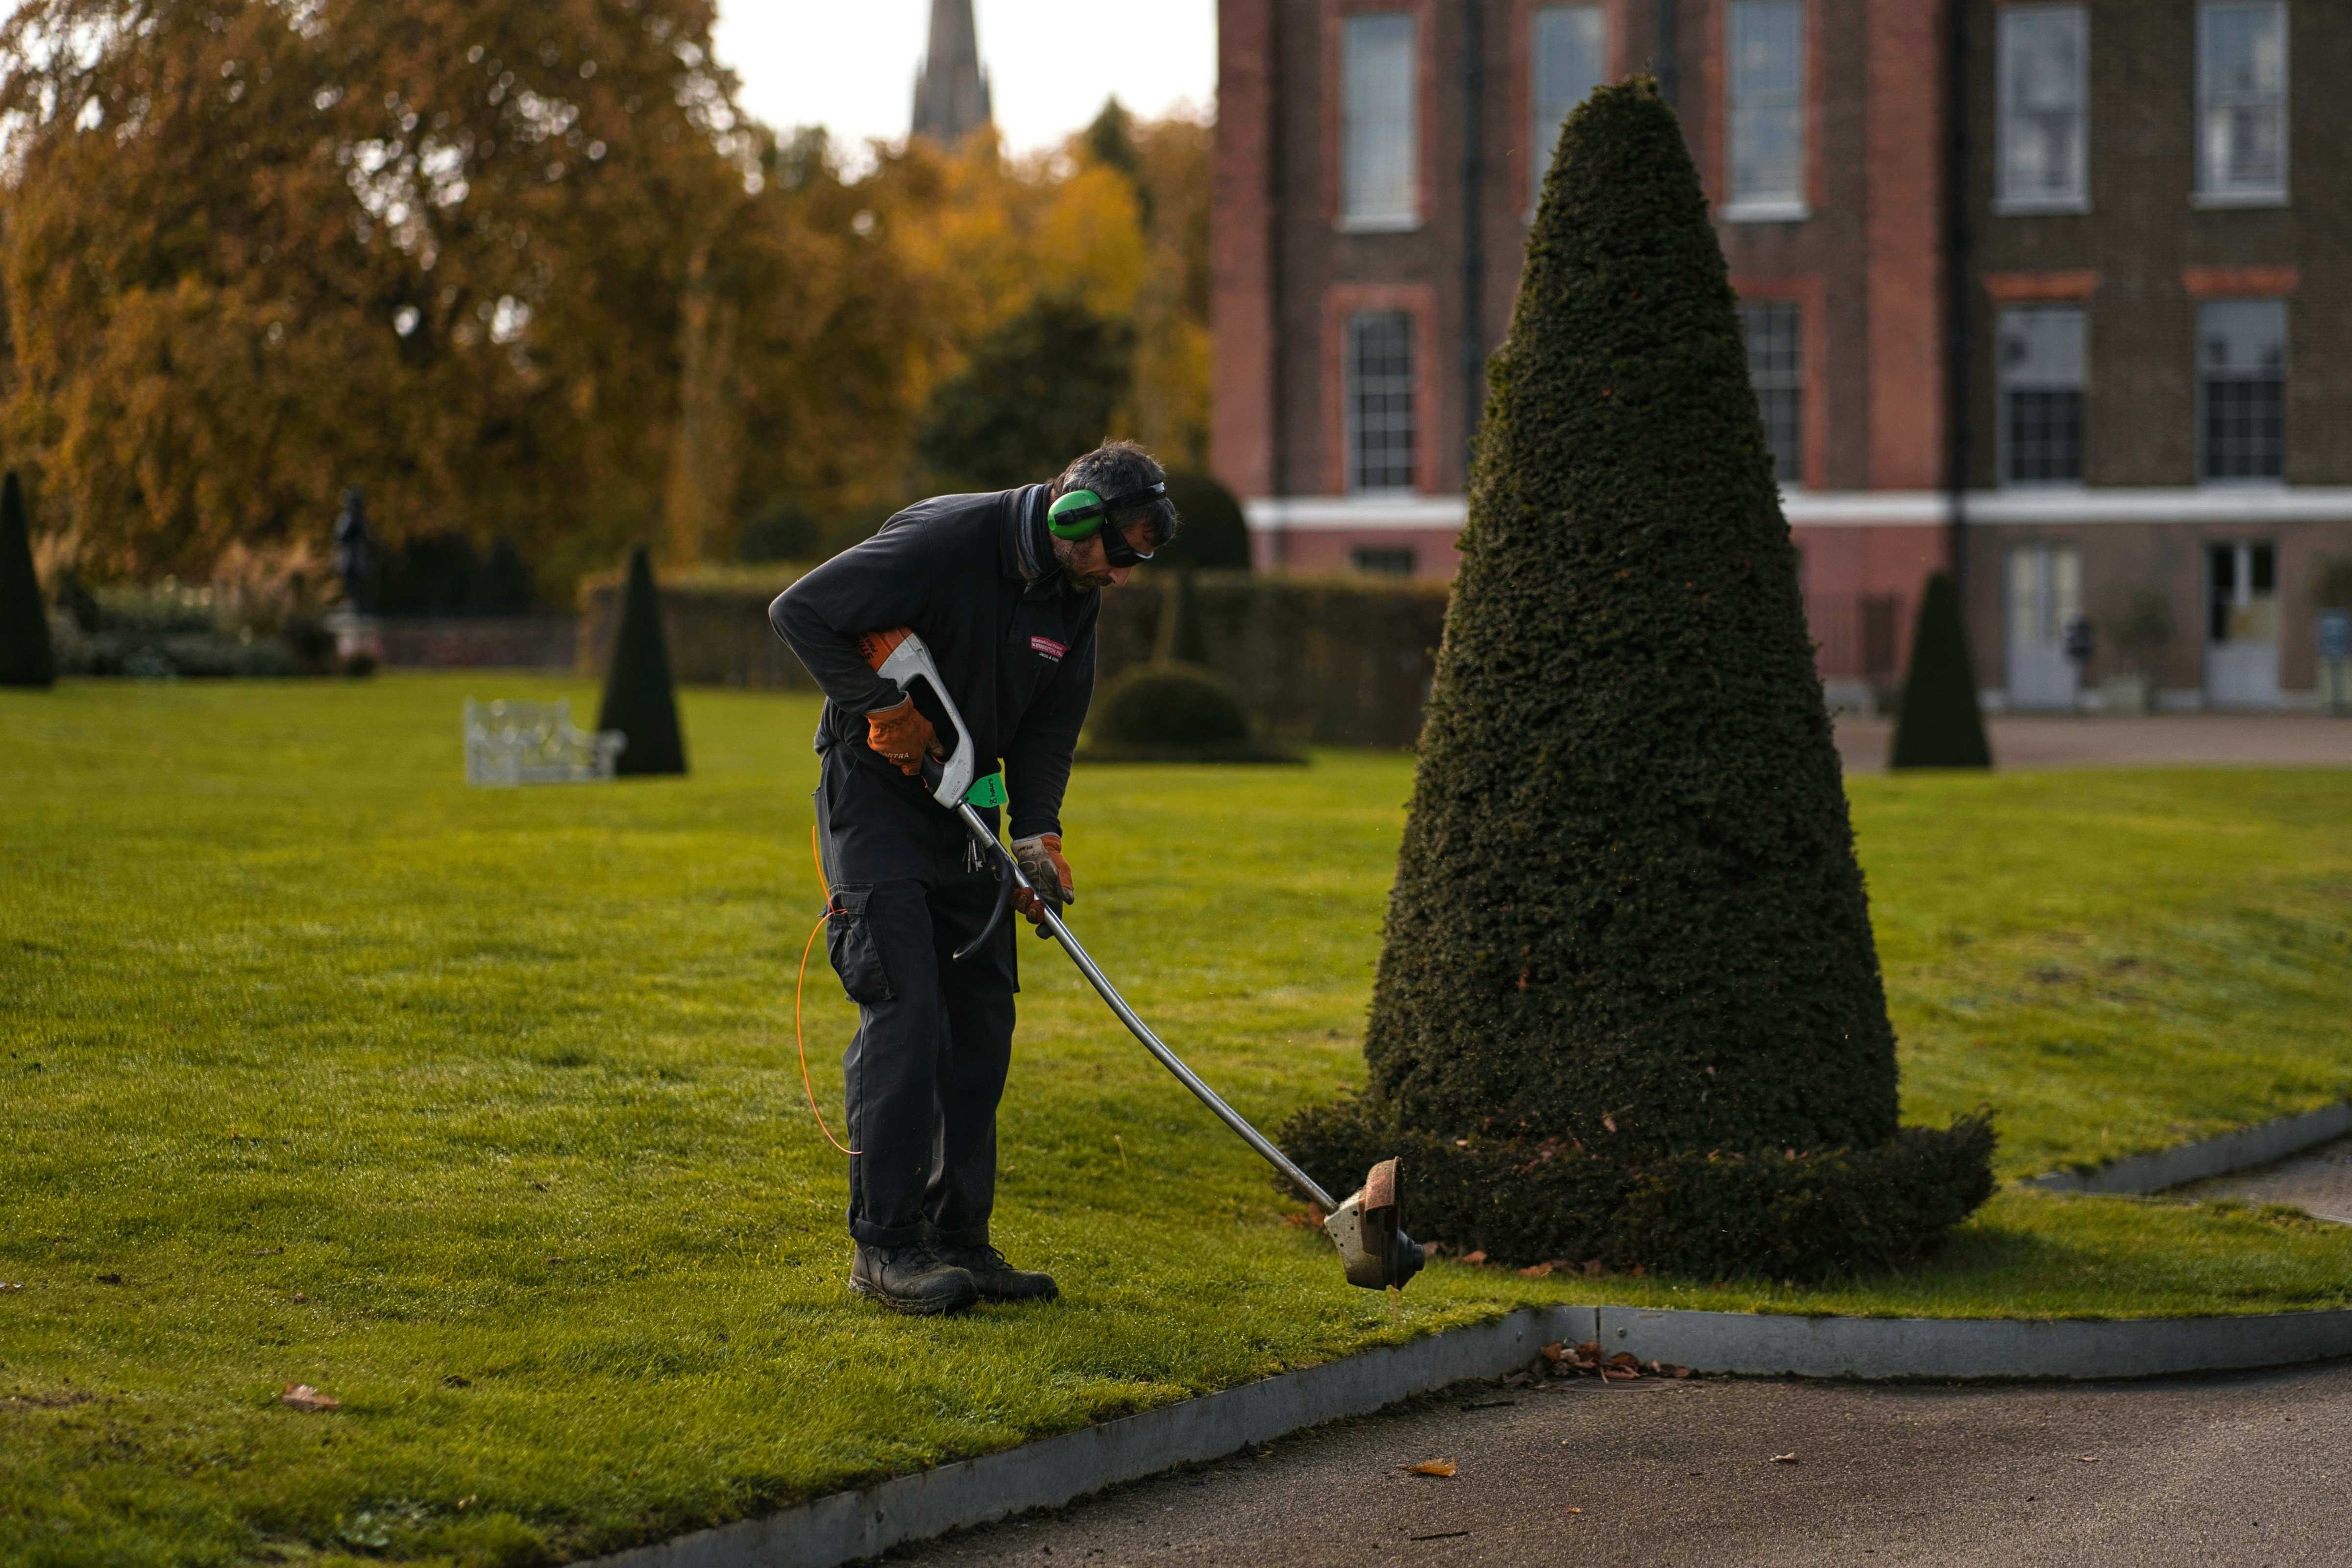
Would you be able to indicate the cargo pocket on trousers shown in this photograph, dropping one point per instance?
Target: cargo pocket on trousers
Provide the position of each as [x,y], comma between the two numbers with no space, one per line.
[849,943]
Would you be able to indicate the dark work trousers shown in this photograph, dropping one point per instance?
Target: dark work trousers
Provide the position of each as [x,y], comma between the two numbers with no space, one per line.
[927,1067]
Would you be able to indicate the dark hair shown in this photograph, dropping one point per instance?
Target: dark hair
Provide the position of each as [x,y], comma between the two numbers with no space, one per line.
[1121,467]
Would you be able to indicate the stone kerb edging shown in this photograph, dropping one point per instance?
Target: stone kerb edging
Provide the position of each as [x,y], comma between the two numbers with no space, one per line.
[1943,1347]
[1053,1471]
[2237,1151]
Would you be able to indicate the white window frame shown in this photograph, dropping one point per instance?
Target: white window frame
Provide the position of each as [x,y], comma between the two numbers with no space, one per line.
[1543,135]
[2078,200]
[2204,387]
[2207,194]
[2007,382]
[1354,217]
[1351,390]
[1776,206]
[1793,382]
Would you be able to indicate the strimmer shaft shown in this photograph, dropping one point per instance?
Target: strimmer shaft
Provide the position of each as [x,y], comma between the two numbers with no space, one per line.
[1142,1031]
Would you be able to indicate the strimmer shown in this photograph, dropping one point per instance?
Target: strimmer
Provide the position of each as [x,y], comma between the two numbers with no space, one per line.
[1374,1250]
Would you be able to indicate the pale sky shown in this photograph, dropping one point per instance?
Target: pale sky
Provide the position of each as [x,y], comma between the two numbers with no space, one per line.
[849,65]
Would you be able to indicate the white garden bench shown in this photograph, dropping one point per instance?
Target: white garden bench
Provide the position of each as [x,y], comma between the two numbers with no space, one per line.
[534,743]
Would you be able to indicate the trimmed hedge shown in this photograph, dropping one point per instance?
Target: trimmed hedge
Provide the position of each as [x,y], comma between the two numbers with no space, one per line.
[1777,1213]
[1339,661]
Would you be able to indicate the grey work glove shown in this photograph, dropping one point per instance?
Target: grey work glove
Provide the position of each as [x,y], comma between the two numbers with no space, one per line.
[1040,859]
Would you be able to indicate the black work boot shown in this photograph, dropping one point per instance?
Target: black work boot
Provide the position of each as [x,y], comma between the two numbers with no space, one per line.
[910,1280]
[998,1280]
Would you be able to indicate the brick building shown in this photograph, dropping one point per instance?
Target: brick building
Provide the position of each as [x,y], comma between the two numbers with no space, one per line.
[2063,291]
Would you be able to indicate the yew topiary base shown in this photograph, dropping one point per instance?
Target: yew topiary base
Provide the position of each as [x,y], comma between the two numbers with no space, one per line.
[1802,1215]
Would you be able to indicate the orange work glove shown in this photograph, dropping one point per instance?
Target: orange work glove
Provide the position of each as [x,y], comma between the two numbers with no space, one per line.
[1041,861]
[901,736]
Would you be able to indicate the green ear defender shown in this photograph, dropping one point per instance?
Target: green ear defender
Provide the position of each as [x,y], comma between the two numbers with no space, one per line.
[1076,515]
[1079,515]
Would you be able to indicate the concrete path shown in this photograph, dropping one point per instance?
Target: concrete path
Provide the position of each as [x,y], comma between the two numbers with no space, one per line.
[2317,1180]
[2166,740]
[2245,1469]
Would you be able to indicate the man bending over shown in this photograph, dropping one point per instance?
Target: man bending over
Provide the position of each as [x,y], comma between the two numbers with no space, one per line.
[1007,606]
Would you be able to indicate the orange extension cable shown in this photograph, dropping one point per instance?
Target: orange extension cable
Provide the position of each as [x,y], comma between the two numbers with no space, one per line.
[806,1086]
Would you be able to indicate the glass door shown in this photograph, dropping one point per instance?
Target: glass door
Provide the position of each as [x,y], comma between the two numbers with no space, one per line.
[2043,597]
[2242,652]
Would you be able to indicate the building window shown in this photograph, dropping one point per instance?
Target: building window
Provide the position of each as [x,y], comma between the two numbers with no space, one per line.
[1382,562]
[2041,394]
[2241,102]
[1776,365]
[1568,49]
[1767,110]
[1379,155]
[1380,401]
[2242,597]
[2242,389]
[2044,96]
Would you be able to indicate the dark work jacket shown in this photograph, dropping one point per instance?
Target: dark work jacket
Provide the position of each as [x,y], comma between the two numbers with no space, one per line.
[1017,656]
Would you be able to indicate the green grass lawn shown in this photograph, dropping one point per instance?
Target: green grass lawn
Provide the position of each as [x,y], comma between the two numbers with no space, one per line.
[478,1110]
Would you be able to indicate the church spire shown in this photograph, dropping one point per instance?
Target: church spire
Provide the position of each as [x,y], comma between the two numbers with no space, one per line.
[951,89]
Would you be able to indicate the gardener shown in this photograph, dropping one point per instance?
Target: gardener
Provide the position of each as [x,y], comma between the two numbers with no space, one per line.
[1007,607]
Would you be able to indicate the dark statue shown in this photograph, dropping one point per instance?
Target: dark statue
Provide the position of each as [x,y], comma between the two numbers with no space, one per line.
[355,551]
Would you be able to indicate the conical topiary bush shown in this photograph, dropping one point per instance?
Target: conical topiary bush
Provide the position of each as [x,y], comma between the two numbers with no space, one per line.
[1940,724]
[1628,1004]
[639,700]
[25,656]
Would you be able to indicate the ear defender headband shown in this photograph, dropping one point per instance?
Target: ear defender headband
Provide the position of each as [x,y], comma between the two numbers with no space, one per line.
[1080,514]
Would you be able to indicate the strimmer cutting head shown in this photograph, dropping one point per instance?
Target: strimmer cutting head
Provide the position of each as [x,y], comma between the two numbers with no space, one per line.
[1374,1250]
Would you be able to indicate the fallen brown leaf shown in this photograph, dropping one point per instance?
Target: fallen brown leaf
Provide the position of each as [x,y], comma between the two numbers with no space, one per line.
[2086,1459]
[302,1396]
[1784,1458]
[1474,1257]
[1668,1369]
[1551,1266]
[1623,1361]
[1576,1510]
[1553,1352]
[1432,1468]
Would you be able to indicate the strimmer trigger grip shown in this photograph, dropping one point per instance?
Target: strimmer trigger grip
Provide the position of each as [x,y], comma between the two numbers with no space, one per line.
[899,657]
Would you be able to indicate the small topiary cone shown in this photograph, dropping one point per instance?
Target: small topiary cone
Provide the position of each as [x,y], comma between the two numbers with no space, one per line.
[640,698]
[25,656]
[1939,725]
